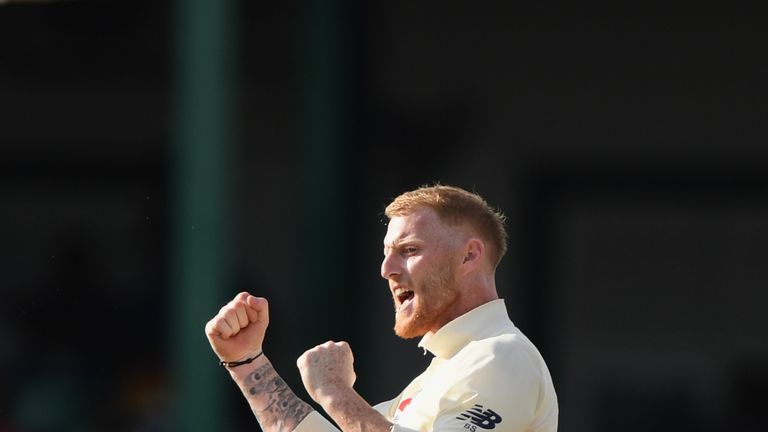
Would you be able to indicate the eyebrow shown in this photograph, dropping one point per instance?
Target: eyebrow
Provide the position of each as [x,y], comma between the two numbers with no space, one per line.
[399,242]
[389,246]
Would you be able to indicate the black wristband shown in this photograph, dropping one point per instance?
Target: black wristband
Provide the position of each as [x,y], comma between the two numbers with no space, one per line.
[239,363]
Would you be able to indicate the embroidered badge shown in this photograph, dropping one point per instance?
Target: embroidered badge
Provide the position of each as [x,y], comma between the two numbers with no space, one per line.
[404,404]
[400,408]
[478,417]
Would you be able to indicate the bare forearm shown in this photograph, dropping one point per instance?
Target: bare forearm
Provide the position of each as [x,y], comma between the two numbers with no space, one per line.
[352,413]
[274,404]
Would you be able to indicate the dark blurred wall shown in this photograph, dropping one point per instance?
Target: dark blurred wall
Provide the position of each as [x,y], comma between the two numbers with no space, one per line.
[626,147]
[83,181]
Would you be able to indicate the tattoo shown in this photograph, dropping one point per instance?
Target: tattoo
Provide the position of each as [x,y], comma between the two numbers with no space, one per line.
[276,407]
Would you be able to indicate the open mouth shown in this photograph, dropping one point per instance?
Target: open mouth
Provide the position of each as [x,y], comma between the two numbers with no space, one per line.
[404,298]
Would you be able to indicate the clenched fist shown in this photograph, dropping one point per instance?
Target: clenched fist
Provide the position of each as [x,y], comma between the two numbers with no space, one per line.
[327,369]
[237,331]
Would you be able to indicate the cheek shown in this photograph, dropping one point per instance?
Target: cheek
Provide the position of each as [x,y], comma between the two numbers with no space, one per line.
[426,266]
[415,267]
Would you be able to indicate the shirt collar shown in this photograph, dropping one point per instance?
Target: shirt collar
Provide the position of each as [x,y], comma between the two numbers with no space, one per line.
[480,322]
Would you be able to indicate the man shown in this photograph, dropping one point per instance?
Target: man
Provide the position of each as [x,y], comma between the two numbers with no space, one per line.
[441,251]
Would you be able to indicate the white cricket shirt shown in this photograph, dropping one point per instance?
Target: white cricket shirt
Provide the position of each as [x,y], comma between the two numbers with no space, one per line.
[486,375]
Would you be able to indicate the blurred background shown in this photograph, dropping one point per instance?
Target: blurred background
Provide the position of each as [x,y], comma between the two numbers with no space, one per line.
[156,158]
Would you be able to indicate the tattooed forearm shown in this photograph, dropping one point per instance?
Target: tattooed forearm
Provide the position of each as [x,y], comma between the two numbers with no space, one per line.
[274,404]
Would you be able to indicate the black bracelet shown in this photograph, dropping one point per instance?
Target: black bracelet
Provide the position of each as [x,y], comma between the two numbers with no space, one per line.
[242,362]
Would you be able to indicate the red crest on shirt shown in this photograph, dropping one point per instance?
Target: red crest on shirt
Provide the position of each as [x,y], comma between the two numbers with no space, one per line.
[404,404]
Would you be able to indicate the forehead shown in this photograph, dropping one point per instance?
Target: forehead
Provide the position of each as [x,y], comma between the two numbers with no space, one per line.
[423,224]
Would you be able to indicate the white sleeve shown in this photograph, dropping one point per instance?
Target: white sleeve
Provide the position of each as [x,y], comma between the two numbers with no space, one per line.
[315,422]
[501,395]
[499,391]
[385,409]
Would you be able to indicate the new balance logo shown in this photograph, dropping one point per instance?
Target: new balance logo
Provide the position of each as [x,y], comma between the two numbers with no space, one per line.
[477,417]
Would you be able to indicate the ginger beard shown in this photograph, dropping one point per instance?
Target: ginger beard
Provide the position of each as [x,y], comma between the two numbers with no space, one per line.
[431,303]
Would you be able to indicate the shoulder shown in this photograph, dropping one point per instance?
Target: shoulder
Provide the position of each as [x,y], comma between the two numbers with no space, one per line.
[507,350]
[499,379]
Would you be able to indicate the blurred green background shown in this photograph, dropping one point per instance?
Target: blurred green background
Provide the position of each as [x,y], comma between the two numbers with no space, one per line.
[156,158]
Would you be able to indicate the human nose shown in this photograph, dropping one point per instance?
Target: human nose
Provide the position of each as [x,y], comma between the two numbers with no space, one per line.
[389,266]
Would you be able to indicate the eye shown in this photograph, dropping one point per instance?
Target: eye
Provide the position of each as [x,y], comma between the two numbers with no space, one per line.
[410,250]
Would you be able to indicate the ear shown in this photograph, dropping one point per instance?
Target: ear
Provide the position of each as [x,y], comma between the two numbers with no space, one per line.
[474,251]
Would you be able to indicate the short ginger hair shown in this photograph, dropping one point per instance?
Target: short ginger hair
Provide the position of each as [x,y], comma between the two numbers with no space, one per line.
[456,206]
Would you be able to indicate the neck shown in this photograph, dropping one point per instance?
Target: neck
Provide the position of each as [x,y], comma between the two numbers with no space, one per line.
[480,291]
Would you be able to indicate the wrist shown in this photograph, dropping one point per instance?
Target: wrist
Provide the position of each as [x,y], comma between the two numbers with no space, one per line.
[247,360]
[247,368]
[256,352]
[241,358]
[331,392]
